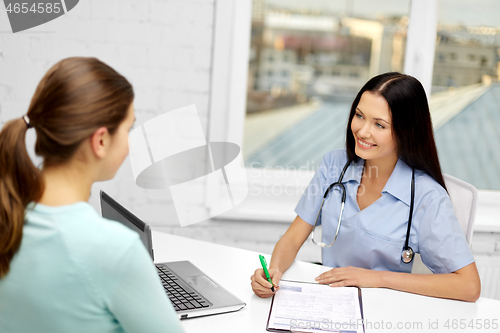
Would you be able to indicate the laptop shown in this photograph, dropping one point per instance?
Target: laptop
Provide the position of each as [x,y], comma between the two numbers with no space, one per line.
[192,292]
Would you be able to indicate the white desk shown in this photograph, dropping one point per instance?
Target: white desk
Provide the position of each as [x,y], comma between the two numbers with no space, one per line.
[384,309]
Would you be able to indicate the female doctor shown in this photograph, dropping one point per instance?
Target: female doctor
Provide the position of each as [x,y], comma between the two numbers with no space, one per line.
[396,203]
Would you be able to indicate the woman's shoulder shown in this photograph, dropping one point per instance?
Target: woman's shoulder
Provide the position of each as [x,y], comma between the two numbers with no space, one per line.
[88,242]
[332,164]
[105,234]
[98,246]
[335,157]
[427,187]
[84,232]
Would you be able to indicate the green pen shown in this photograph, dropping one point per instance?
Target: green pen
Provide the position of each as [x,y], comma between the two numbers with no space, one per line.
[264,267]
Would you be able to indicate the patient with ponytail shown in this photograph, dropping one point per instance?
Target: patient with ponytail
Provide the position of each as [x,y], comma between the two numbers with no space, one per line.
[63,268]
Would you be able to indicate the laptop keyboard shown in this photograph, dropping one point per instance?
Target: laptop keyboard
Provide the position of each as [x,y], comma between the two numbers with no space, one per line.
[181,298]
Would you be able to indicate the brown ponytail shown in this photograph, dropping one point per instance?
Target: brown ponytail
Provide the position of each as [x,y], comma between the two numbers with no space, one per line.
[20,183]
[74,98]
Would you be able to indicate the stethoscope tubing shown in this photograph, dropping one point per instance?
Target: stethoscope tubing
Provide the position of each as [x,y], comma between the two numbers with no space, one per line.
[407,254]
[411,208]
[337,183]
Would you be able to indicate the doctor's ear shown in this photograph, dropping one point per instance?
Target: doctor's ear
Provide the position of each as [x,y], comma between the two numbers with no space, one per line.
[100,141]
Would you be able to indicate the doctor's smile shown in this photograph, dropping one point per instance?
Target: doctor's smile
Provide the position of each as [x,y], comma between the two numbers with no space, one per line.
[365,145]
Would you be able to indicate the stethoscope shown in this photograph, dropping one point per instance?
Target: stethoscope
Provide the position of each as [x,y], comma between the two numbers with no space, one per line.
[407,254]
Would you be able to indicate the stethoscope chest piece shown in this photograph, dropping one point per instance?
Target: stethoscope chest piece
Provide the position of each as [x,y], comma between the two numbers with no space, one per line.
[407,255]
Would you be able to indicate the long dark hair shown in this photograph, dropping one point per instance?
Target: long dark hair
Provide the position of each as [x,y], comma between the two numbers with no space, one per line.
[74,98]
[411,122]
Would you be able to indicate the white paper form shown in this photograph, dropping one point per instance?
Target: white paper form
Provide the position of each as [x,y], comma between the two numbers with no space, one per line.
[311,307]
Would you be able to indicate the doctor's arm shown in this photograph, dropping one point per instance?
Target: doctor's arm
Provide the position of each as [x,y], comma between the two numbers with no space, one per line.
[463,284]
[284,254]
[443,248]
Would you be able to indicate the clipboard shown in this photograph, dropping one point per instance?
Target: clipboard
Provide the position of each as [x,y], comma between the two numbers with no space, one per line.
[312,307]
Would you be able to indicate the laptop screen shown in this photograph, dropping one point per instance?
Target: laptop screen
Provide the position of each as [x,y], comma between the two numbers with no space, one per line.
[112,210]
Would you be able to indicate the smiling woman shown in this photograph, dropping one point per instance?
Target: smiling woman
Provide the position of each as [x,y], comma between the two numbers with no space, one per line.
[392,178]
[401,100]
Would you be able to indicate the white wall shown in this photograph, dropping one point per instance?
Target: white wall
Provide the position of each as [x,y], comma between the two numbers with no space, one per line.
[164,48]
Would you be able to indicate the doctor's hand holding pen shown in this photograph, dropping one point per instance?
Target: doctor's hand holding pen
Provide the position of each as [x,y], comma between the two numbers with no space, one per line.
[284,254]
[261,287]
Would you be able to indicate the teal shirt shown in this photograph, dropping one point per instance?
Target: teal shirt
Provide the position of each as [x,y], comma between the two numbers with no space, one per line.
[78,272]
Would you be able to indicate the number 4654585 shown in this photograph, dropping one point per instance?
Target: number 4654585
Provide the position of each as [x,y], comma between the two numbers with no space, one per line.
[36,8]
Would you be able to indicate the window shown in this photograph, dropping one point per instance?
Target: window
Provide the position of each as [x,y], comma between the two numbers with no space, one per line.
[345,38]
[276,190]
[469,115]
[312,43]
[467,119]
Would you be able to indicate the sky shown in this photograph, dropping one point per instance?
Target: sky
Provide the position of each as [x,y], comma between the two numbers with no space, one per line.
[468,12]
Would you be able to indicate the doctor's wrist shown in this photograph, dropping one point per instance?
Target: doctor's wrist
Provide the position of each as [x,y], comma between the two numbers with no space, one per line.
[383,279]
[276,268]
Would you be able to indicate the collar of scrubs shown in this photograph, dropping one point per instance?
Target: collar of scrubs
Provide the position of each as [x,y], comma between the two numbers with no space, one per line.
[398,185]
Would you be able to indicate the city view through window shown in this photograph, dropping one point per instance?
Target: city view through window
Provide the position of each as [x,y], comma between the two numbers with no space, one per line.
[309,59]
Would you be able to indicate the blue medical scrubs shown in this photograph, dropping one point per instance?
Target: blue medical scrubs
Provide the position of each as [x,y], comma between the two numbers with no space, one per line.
[374,237]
